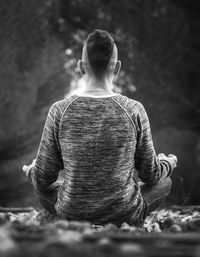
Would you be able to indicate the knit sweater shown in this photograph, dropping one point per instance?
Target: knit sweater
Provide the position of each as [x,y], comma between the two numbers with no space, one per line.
[99,142]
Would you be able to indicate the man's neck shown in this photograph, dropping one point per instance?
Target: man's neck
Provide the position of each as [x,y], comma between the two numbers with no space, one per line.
[96,86]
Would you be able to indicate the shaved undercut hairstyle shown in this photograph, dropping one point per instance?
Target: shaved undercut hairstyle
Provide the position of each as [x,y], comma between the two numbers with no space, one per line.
[99,48]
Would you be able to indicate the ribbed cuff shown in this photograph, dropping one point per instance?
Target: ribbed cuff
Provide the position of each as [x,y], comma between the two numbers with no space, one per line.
[30,173]
[168,165]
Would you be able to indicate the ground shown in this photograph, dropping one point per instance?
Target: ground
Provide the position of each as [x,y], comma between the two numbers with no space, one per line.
[174,231]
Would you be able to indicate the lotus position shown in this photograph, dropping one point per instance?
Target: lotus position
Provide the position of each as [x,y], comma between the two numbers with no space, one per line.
[100,139]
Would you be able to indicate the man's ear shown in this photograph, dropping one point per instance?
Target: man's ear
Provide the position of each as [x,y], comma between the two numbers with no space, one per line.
[117,68]
[81,67]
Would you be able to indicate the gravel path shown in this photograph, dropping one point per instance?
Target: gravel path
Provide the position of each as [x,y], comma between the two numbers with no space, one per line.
[167,232]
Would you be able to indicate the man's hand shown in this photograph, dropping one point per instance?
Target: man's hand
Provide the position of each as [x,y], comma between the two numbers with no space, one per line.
[171,158]
[27,168]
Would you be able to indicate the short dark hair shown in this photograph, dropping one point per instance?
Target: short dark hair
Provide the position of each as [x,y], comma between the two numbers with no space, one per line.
[99,47]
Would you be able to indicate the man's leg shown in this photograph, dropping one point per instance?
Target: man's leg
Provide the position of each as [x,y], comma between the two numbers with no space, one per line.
[154,195]
[49,198]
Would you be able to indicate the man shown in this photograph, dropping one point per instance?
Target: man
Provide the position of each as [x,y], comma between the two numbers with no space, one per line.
[99,138]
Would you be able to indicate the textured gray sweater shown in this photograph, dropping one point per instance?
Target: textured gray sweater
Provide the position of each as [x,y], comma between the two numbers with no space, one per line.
[99,142]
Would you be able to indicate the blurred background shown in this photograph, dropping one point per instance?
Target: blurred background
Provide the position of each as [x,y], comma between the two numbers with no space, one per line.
[40,43]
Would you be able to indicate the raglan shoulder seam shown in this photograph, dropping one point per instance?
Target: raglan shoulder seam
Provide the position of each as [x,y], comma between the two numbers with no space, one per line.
[128,115]
[68,102]
[133,108]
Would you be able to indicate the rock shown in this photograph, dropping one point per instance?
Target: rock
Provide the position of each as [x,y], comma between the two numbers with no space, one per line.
[105,245]
[175,228]
[131,249]
[79,225]
[168,222]
[126,227]
[4,218]
[7,245]
[60,224]
[69,237]
[110,227]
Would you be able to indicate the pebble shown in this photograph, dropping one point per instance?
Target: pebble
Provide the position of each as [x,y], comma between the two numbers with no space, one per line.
[79,225]
[4,217]
[105,244]
[175,228]
[70,237]
[168,222]
[130,248]
[7,244]
[110,227]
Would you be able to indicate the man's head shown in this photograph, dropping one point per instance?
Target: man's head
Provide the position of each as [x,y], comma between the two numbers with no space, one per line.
[99,55]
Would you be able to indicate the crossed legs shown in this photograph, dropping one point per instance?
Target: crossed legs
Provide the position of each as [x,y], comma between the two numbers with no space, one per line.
[152,195]
[155,195]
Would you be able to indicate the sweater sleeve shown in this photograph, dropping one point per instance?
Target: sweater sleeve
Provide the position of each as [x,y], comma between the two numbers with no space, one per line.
[49,159]
[151,170]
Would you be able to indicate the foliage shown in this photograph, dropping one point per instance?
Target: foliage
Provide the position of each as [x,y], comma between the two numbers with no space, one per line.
[154,43]
[40,43]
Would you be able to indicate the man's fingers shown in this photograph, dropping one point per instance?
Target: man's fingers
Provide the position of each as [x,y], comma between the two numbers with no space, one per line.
[34,161]
[173,156]
[170,158]
[24,168]
[162,155]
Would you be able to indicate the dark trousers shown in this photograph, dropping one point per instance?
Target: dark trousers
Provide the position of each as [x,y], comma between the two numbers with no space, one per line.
[152,195]
[155,195]
[48,198]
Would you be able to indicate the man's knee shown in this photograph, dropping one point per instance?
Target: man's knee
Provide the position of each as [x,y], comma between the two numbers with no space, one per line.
[47,203]
[167,183]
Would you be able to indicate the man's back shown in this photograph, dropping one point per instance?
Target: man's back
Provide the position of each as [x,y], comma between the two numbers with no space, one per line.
[99,142]
[98,138]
